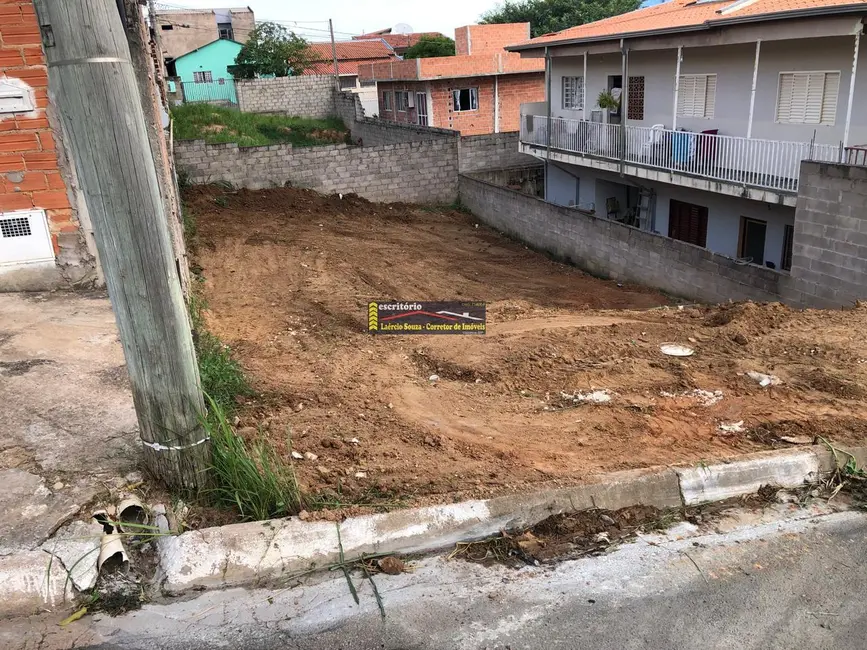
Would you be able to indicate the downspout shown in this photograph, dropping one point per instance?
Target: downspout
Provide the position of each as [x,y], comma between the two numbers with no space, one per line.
[496,103]
[676,87]
[624,102]
[584,89]
[548,121]
[852,85]
[753,90]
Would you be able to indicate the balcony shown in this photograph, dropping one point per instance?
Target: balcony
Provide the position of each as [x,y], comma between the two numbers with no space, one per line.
[765,170]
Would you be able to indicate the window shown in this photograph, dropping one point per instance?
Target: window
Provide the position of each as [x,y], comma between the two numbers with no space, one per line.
[347,82]
[466,99]
[752,240]
[808,97]
[573,93]
[225,31]
[696,95]
[368,83]
[687,222]
[204,77]
[788,241]
[167,28]
[401,98]
[387,104]
[635,100]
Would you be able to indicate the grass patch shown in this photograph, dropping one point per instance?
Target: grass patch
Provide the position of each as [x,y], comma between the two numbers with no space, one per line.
[215,125]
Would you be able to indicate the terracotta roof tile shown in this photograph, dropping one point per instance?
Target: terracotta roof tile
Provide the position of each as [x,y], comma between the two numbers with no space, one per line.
[352,50]
[682,14]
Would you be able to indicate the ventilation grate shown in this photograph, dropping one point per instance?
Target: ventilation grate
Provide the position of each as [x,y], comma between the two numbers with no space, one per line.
[15,227]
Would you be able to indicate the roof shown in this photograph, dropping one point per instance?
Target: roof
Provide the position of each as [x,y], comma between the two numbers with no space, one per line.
[398,41]
[352,50]
[687,15]
[160,12]
[449,67]
[327,67]
[202,47]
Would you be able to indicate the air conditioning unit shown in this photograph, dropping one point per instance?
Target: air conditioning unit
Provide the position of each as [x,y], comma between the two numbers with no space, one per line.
[410,100]
[24,238]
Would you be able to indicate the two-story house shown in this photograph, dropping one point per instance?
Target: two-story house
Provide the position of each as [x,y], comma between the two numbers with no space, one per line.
[691,118]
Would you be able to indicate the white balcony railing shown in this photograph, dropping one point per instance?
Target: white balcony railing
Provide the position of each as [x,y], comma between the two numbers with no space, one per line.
[767,164]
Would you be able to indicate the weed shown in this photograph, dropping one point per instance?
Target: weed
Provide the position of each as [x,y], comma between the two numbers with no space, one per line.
[217,125]
[222,201]
[248,475]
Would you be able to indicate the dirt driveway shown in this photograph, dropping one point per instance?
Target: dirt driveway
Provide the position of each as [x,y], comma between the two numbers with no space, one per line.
[568,382]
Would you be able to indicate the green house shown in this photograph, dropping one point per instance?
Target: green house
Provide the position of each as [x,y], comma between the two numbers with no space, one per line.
[204,72]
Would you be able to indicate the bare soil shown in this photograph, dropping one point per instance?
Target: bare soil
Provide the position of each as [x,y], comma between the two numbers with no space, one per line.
[288,274]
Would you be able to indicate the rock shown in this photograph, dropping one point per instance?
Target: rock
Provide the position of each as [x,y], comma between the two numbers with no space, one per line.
[355,441]
[434,378]
[297,455]
[57,486]
[323,471]
[390,405]
[310,456]
[391,565]
[602,538]
[608,520]
[300,407]
[330,443]
[360,474]
[740,339]
[75,545]
[304,515]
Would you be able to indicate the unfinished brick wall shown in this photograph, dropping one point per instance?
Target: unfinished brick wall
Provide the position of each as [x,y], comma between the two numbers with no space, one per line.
[34,169]
[484,39]
[305,96]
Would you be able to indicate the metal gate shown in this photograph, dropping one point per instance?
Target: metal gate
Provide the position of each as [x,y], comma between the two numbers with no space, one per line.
[221,92]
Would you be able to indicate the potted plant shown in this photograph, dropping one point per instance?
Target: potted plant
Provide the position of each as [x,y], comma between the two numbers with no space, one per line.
[607,100]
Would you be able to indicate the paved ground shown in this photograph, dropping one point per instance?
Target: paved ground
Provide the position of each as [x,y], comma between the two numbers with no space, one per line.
[68,426]
[779,581]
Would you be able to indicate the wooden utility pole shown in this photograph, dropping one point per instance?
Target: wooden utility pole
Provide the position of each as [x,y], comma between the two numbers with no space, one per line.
[162,78]
[336,66]
[94,88]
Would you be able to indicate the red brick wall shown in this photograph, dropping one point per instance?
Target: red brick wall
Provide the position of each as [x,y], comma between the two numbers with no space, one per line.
[517,89]
[30,175]
[491,39]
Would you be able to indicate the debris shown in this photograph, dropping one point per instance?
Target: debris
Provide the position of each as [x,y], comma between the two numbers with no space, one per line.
[360,474]
[434,378]
[797,440]
[58,486]
[704,397]
[303,515]
[323,471]
[310,456]
[676,350]
[763,379]
[390,405]
[112,555]
[73,617]
[740,339]
[299,408]
[391,565]
[602,396]
[602,538]
[608,520]
[355,441]
[131,511]
[734,427]
[297,455]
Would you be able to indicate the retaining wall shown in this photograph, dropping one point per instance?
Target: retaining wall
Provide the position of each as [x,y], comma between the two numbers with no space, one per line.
[373,132]
[493,151]
[305,96]
[417,172]
[609,249]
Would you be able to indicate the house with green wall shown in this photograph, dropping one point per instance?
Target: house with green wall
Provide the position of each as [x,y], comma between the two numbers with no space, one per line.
[204,72]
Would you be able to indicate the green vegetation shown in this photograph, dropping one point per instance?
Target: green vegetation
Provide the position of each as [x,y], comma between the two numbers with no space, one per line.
[431,46]
[546,16]
[215,124]
[271,49]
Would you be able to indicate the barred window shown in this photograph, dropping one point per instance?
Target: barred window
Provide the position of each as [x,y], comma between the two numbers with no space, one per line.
[573,93]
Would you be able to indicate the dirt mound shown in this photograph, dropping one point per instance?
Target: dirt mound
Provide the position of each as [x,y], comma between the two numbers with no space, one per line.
[749,317]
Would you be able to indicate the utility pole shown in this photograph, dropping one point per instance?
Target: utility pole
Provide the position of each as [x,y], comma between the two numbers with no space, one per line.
[336,67]
[158,43]
[94,87]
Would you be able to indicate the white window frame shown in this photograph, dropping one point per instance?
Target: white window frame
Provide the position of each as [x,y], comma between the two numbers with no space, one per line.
[708,102]
[401,100]
[474,99]
[572,99]
[827,104]
[203,77]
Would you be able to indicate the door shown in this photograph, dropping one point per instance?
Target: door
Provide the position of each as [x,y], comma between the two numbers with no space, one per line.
[752,244]
[688,222]
[421,108]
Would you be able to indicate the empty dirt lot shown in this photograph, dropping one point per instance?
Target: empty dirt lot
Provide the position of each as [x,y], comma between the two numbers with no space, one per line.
[288,275]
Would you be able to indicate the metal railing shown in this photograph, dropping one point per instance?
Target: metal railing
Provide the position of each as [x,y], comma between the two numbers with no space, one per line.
[857,155]
[767,164]
[221,92]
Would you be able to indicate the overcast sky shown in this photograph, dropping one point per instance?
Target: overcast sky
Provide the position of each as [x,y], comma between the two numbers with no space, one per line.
[357,16]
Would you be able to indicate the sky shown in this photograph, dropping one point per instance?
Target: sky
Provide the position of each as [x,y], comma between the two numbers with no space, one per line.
[356,16]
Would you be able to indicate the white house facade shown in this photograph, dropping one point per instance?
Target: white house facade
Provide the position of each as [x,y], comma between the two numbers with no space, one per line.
[707,110]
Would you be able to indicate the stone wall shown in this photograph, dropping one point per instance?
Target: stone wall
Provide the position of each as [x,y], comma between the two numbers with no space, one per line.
[493,151]
[608,249]
[829,255]
[417,172]
[303,96]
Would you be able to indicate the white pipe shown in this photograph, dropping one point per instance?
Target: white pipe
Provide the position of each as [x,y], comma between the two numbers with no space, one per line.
[496,103]
[753,89]
[584,89]
[676,86]
[852,85]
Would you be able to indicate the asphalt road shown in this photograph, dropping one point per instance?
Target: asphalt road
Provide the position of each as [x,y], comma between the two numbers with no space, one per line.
[780,581]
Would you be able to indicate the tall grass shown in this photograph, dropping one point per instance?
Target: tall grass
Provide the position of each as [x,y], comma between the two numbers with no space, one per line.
[216,124]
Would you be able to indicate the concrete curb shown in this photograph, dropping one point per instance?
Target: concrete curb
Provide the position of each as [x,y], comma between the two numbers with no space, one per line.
[261,552]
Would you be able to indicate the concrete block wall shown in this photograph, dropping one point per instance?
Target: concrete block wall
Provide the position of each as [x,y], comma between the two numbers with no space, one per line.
[373,133]
[415,172]
[305,96]
[493,151]
[829,254]
[349,108]
[608,249]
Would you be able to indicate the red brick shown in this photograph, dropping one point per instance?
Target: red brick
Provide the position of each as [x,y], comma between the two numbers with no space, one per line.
[47,140]
[34,56]
[40,160]
[10,202]
[55,181]
[9,58]
[59,218]
[11,164]
[32,123]
[36,77]
[10,142]
[51,199]
[21,34]
[41,97]
[31,181]
[8,125]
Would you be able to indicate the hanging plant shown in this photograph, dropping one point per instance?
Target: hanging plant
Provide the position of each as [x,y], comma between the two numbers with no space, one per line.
[607,100]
